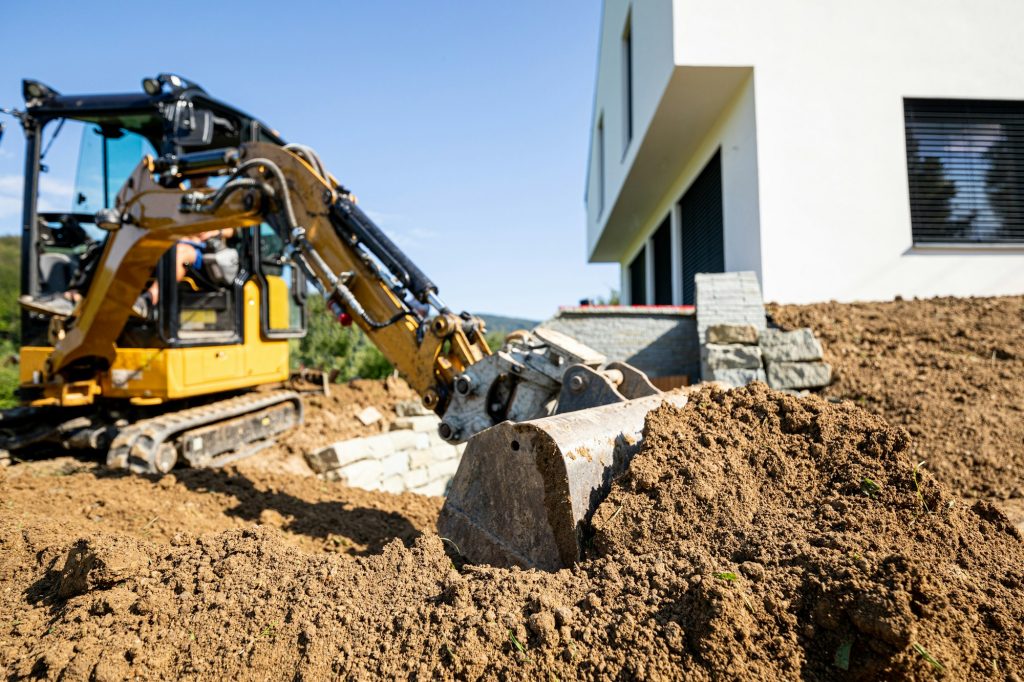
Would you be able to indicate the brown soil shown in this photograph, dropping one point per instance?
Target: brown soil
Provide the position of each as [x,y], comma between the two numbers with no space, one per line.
[745,543]
[330,418]
[951,371]
[756,536]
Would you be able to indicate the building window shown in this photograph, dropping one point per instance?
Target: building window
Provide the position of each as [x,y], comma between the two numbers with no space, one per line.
[627,82]
[600,164]
[638,279]
[965,162]
[662,257]
[701,227]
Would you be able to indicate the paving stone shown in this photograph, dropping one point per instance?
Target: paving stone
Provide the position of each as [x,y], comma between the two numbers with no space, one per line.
[738,377]
[799,374]
[344,452]
[442,469]
[793,346]
[732,333]
[369,415]
[393,484]
[719,357]
[437,453]
[362,474]
[408,440]
[436,488]
[422,423]
[397,463]
[415,478]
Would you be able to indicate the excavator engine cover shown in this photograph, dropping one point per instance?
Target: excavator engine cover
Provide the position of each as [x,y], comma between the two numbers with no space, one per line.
[525,492]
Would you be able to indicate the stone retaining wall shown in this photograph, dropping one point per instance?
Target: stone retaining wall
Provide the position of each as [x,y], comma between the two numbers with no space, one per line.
[411,457]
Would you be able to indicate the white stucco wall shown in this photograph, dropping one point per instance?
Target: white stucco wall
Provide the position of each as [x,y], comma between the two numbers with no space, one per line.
[826,110]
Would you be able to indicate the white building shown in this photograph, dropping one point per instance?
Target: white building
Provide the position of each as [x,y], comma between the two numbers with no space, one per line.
[841,150]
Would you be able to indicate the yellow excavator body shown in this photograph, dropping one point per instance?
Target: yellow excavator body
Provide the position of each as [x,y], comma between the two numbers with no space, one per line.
[150,376]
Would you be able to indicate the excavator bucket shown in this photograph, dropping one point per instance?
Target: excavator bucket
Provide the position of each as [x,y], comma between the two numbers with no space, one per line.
[525,492]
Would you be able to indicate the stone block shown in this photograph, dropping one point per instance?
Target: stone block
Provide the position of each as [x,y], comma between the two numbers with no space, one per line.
[732,357]
[442,469]
[362,474]
[396,464]
[795,346]
[416,478]
[422,423]
[745,334]
[737,377]
[437,453]
[393,484]
[347,451]
[369,415]
[799,374]
[411,408]
[408,440]
[436,488]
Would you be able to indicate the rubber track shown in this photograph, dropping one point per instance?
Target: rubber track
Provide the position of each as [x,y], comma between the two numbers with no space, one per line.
[135,445]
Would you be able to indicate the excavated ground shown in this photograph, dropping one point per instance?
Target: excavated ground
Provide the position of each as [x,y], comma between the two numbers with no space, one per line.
[949,370]
[756,536]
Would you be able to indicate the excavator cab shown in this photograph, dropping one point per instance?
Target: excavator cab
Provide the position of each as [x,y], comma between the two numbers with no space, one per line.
[80,151]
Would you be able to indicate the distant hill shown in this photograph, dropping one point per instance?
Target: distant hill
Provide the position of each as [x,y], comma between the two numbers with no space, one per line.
[503,325]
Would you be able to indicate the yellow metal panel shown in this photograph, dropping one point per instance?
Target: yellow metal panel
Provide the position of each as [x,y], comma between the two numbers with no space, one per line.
[277,302]
[153,374]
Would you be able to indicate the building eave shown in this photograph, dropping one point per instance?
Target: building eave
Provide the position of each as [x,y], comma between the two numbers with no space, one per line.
[693,101]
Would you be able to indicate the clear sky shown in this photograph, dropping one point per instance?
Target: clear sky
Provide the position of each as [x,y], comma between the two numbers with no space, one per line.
[462,126]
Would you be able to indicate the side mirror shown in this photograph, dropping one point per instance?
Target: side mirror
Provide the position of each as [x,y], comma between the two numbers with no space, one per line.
[1,132]
[192,127]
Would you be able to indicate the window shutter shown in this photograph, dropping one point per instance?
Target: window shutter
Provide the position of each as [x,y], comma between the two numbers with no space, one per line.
[965,163]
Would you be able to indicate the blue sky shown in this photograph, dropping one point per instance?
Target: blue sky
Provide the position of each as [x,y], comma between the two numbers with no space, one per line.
[461,126]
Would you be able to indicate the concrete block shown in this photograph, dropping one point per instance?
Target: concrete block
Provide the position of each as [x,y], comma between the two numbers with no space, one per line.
[369,415]
[795,346]
[732,357]
[362,474]
[408,440]
[437,453]
[344,452]
[732,333]
[442,469]
[416,478]
[393,484]
[422,423]
[396,464]
[799,374]
[737,377]
[411,408]
[436,488]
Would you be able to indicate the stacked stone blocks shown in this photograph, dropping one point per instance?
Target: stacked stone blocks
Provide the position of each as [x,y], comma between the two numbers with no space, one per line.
[411,457]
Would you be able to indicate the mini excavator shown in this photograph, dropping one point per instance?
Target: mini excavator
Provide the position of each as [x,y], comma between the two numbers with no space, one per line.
[156,359]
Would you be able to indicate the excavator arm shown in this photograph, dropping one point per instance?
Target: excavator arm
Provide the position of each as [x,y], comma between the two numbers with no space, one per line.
[525,489]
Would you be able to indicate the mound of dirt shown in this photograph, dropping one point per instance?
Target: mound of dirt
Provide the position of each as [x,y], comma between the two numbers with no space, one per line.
[756,536]
[949,370]
[817,542]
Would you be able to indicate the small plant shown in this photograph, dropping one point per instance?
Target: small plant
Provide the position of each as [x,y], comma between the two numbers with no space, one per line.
[928,657]
[870,487]
[842,657]
[727,576]
[518,645]
[270,631]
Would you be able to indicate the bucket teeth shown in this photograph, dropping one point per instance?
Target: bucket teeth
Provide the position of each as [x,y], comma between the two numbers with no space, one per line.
[524,493]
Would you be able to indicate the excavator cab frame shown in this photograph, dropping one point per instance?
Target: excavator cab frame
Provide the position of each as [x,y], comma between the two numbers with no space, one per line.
[174,117]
